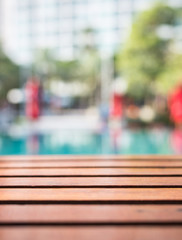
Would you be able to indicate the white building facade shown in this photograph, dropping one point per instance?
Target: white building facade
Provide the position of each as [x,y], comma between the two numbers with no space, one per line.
[28,25]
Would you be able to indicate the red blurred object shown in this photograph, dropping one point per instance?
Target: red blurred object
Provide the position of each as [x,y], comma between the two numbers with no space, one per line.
[176,141]
[33,98]
[175,105]
[116,110]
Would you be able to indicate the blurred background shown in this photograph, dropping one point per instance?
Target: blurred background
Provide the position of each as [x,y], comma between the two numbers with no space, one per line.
[90,77]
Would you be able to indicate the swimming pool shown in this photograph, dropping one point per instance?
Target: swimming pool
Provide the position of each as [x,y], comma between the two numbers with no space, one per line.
[154,141]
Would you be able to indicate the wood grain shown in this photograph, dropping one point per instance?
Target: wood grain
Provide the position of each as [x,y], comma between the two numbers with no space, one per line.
[90,181]
[90,197]
[90,213]
[90,157]
[93,194]
[89,163]
[90,233]
[91,172]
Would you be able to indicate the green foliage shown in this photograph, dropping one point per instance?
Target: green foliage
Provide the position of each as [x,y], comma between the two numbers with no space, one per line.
[67,70]
[9,75]
[145,55]
[171,75]
[47,66]
[85,68]
[90,72]
[89,65]
[44,63]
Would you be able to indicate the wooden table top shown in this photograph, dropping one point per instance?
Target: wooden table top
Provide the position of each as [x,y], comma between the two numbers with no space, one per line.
[90,197]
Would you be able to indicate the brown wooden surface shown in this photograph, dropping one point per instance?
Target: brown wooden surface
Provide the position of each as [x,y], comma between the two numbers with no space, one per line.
[91,213]
[90,233]
[90,182]
[91,171]
[89,163]
[91,194]
[90,157]
[85,197]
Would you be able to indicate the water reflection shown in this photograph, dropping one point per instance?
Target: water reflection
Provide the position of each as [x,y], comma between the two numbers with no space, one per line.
[110,141]
[116,138]
[33,144]
[176,141]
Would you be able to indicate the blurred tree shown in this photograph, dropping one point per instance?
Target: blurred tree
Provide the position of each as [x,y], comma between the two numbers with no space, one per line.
[86,68]
[68,70]
[90,64]
[171,76]
[146,54]
[9,75]
[47,66]
[44,63]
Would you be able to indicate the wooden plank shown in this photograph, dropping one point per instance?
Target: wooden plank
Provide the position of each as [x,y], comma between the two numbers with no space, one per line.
[90,157]
[91,172]
[90,181]
[90,233]
[90,213]
[90,163]
[91,194]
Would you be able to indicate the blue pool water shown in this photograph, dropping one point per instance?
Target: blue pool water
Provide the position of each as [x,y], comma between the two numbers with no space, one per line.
[155,141]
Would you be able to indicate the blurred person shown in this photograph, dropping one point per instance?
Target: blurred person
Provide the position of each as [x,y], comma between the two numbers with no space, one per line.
[116,107]
[175,105]
[33,98]
[104,116]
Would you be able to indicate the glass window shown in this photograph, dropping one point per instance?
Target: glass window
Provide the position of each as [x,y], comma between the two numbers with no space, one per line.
[141,5]
[66,53]
[80,10]
[66,25]
[66,40]
[125,5]
[107,38]
[125,20]
[66,10]
[80,24]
